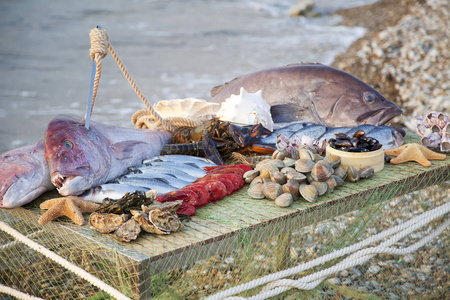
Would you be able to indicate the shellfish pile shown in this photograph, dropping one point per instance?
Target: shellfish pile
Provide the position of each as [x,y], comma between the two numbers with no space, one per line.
[435,131]
[359,142]
[301,174]
[127,222]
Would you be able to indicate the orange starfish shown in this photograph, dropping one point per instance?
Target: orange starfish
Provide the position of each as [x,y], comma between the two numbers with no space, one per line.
[414,152]
[70,206]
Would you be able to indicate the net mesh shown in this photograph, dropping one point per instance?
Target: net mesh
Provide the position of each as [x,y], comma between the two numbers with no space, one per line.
[239,239]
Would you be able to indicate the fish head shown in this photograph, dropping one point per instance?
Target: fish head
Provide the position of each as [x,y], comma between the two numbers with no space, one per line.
[345,100]
[77,157]
[23,177]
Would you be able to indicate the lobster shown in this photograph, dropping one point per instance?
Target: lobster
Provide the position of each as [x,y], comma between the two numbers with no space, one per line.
[217,140]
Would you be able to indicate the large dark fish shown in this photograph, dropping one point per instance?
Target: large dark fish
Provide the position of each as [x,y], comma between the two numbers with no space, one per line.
[313,93]
[80,159]
[24,175]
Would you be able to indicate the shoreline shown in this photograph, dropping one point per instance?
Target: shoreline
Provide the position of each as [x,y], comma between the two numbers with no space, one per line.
[404,54]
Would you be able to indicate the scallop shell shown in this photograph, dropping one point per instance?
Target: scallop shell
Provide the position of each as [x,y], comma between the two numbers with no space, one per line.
[272,190]
[189,108]
[309,192]
[284,200]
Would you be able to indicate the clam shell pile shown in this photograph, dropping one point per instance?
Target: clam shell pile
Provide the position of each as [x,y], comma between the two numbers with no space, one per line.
[302,174]
[435,131]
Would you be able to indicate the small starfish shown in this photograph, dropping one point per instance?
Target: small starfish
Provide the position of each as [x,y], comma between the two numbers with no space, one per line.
[70,206]
[414,152]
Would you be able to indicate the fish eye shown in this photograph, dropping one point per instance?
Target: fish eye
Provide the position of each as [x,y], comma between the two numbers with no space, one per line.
[68,144]
[369,97]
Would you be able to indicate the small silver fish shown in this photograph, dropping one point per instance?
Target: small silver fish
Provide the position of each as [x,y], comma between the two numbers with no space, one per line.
[179,158]
[168,178]
[161,185]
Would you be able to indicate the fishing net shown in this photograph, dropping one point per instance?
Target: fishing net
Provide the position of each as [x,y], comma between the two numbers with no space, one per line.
[238,240]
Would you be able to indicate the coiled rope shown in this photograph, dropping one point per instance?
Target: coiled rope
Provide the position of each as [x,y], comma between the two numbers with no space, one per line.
[99,49]
[58,259]
[276,285]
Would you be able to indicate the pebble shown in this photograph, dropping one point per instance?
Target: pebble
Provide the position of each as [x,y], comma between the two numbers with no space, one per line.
[334,280]
[374,269]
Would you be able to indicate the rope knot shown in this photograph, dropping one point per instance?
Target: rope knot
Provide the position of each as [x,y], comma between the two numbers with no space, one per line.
[99,43]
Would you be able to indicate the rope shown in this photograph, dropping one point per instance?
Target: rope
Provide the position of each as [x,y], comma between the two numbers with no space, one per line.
[19,295]
[278,285]
[63,262]
[99,48]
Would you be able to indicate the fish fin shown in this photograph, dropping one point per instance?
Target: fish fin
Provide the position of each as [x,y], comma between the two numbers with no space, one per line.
[217,89]
[124,150]
[286,113]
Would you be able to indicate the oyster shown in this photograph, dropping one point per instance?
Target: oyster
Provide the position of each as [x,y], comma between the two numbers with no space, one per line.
[145,223]
[106,222]
[165,221]
[128,231]
[169,206]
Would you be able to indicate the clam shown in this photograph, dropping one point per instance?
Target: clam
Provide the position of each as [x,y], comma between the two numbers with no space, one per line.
[317,157]
[292,187]
[366,172]
[106,222]
[294,154]
[309,192]
[340,172]
[352,174]
[255,191]
[266,169]
[304,165]
[321,187]
[305,153]
[249,176]
[271,190]
[339,181]
[257,180]
[286,170]
[279,154]
[321,171]
[299,177]
[278,177]
[333,160]
[284,200]
[289,162]
[276,162]
[331,183]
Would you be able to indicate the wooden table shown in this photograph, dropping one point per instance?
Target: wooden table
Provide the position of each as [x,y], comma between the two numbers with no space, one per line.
[219,227]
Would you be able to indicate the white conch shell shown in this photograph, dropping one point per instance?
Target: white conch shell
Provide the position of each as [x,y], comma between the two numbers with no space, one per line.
[189,108]
[246,108]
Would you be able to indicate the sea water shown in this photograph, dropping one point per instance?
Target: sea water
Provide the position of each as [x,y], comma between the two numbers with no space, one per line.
[172,49]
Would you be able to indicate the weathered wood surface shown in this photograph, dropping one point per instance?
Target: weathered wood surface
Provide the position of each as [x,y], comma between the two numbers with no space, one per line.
[222,226]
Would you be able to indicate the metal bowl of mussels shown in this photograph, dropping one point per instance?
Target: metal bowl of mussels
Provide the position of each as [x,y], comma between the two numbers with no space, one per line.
[358,150]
